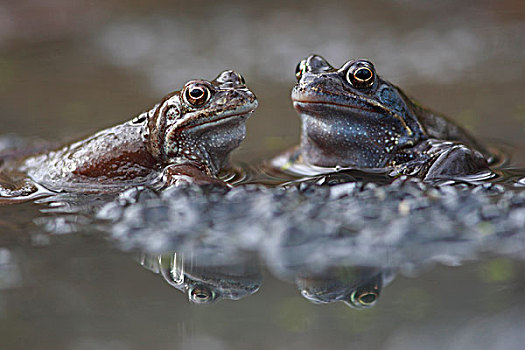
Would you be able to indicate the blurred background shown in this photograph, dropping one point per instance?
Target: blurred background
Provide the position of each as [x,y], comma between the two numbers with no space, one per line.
[69,68]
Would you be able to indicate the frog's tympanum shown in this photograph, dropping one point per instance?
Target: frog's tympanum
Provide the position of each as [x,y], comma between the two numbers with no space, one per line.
[358,287]
[187,137]
[203,281]
[353,118]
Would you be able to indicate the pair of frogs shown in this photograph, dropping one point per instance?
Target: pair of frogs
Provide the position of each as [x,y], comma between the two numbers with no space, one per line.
[204,282]
[351,118]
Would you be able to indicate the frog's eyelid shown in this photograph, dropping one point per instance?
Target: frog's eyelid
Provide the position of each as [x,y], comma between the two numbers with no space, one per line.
[346,66]
[361,62]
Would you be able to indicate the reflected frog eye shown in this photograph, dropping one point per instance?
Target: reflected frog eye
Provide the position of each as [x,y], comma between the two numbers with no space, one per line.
[299,70]
[201,295]
[361,74]
[363,299]
[196,95]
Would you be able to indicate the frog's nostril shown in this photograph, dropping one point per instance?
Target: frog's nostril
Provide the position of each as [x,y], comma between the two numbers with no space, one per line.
[316,63]
[230,76]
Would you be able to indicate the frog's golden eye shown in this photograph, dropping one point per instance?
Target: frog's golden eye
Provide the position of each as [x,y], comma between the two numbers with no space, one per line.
[299,70]
[363,299]
[201,295]
[196,95]
[361,75]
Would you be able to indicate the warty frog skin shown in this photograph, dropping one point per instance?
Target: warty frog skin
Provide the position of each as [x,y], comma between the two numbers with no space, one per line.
[186,137]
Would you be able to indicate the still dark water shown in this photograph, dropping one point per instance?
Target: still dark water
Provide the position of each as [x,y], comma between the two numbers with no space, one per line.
[446,263]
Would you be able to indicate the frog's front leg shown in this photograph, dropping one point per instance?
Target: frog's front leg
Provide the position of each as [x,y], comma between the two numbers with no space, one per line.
[188,173]
[458,160]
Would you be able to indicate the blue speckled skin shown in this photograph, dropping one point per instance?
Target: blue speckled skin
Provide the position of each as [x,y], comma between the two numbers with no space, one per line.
[372,126]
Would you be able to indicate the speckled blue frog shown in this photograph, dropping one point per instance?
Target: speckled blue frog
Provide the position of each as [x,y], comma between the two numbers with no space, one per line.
[352,118]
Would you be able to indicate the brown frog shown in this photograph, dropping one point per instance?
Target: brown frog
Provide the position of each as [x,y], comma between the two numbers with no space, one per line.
[187,137]
[353,118]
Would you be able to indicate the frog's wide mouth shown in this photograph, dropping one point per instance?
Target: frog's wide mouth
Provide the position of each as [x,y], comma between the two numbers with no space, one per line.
[217,121]
[238,114]
[309,96]
[302,105]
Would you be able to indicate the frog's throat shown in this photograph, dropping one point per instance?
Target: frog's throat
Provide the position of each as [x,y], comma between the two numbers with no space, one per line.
[305,102]
[208,143]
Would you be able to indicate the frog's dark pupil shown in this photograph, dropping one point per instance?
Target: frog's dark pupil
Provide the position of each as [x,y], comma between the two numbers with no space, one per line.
[200,294]
[196,93]
[367,298]
[363,74]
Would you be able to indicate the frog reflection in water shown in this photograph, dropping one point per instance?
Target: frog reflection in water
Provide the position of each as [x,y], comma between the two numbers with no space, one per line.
[353,118]
[204,281]
[358,287]
[187,137]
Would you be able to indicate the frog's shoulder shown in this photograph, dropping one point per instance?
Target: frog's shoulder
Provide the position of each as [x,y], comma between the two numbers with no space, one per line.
[439,126]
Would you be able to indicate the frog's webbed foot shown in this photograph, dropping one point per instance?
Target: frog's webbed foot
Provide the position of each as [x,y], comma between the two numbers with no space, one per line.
[458,160]
[189,174]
